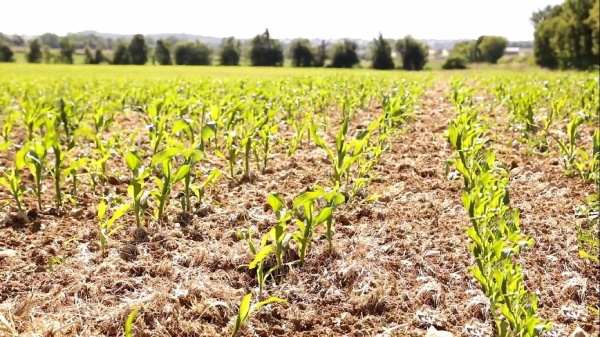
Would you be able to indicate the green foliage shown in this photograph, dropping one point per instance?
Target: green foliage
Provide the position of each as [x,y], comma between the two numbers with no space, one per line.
[193,54]
[34,55]
[381,54]
[495,236]
[455,62]
[66,50]
[302,53]
[485,49]
[466,50]
[344,55]
[247,309]
[6,54]
[51,40]
[162,53]
[98,56]
[89,57]
[266,52]
[320,55]
[121,55]
[230,52]
[414,53]
[137,50]
[566,35]
[490,48]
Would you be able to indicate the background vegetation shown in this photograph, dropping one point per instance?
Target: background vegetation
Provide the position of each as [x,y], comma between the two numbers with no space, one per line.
[566,37]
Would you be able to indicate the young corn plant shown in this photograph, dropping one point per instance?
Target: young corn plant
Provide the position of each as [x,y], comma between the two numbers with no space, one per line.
[72,171]
[136,189]
[233,152]
[59,157]
[199,189]
[261,253]
[307,204]
[495,236]
[164,160]
[568,148]
[346,152]
[247,309]
[191,158]
[107,228]
[11,180]
[278,236]
[36,161]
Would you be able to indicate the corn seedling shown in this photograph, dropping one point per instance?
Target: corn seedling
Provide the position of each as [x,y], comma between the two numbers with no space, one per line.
[307,204]
[36,160]
[11,180]
[568,148]
[247,309]
[164,160]
[107,227]
[136,188]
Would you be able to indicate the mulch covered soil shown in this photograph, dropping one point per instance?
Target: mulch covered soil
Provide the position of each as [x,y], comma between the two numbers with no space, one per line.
[399,267]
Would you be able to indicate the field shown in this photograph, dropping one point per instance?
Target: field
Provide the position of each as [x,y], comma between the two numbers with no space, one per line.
[174,201]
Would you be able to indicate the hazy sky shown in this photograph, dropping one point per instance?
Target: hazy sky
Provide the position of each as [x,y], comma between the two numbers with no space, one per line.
[425,19]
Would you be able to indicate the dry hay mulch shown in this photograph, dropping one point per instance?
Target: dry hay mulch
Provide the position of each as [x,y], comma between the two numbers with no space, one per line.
[400,263]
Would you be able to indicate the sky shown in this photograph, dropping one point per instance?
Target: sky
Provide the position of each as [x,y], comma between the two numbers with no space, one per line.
[324,19]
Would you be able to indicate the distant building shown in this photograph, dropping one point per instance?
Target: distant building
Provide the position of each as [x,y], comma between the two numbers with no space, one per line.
[512,51]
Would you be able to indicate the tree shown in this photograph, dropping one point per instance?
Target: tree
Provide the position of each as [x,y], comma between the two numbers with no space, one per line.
[344,54]
[34,55]
[230,51]
[593,22]
[138,51]
[381,54]
[99,57]
[320,55]
[490,48]
[566,36]
[455,62]
[265,52]
[414,53]
[51,40]
[16,40]
[301,53]
[162,53]
[121,54]
[467,50]
[6,54]
[66,50]
[193,53]
[89,57]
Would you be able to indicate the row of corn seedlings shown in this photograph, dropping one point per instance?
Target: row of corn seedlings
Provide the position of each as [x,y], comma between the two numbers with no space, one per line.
[494,233]
[536,107]
[353,160]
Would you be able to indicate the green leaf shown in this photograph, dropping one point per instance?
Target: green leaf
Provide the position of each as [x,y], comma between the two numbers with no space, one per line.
[101,210]
[306,198]
[262,254]
[208,131]
[276,202]
[181,173]
[585,255]
[243,313]
[133,160]
[129,322]
[324,214]
[118,213]
[165,155]
[267,301]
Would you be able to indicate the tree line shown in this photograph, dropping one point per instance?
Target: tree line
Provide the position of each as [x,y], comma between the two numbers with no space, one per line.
[262,50]
[567,36]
